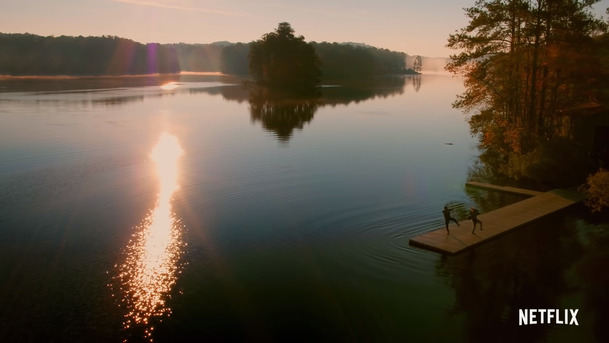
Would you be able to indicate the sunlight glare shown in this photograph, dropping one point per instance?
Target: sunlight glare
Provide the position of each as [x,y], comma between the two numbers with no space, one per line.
[169,86]
[152,256]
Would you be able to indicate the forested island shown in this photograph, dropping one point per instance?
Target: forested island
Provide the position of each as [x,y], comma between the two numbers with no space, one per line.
[30,54]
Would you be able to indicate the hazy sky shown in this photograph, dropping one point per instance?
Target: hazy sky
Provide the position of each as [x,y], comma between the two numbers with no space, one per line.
[416,27]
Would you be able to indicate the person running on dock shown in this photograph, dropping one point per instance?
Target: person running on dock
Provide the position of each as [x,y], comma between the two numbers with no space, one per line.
[473,214]
[448,218]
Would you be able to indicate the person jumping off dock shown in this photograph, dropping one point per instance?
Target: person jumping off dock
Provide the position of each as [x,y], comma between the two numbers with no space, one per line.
[473,214]
[448,218]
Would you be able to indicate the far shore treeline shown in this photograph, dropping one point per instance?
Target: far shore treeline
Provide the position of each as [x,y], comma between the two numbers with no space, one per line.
[29,54]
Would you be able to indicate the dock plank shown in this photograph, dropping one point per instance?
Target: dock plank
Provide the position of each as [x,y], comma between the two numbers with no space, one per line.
[497,222]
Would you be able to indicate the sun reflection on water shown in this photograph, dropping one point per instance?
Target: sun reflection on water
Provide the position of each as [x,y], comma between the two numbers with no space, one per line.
[152,261]
[169,86]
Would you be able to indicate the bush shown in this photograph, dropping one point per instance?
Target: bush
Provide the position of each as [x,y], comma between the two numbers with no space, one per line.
[597,191]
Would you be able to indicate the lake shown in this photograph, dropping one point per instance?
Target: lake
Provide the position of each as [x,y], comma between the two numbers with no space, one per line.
[191,208]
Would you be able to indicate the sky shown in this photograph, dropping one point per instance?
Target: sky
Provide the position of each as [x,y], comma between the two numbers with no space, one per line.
[416,27]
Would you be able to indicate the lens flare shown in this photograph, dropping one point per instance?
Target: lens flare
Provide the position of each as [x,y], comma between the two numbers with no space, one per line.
[152,261]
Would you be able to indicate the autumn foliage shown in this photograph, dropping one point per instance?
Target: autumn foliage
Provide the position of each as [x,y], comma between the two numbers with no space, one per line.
[527,67]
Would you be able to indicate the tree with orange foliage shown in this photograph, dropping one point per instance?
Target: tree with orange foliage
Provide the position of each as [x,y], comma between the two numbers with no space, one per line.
[526,64]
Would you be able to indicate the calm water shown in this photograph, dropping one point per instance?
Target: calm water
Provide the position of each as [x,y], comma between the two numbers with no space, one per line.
[199,211]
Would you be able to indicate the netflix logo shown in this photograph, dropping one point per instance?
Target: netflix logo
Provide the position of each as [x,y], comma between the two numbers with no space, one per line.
[547,316]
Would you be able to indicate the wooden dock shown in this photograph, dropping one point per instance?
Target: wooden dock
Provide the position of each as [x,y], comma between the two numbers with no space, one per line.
[497,222]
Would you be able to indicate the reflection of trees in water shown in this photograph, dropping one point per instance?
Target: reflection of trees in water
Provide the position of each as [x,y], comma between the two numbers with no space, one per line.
[281,115]
[529,269]
[83,84]
[356,91]
[230,93]
[116,101]
[416,82]
[591,269]
[278,113]
[490,200]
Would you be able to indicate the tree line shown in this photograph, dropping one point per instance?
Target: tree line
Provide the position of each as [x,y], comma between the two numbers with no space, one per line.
[29,54]
[529,67]
[338,60]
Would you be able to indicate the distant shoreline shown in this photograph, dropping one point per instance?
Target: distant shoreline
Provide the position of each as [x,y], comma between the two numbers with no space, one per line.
[68,77]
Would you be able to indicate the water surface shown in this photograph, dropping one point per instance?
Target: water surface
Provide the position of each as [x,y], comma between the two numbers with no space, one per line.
[139,209]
